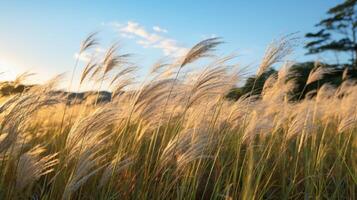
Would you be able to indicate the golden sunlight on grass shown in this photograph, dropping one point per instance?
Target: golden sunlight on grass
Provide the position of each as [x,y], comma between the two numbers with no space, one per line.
[176,136]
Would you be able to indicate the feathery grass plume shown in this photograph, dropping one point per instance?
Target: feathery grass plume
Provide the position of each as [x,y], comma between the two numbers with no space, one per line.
[213,81]
[202,49]
[200,146]
[88,143]
[117,165]
[276,52]
[9,137]
[98,121]
[90,42]
[185,147]
[90,66]
[148,103]
[122,73]
[176,146]
[96,74]
[258,125]
[279,92]
[345,74]
[241,108]
[270,82]
[31,166]
[112,59]
[90,162]
[285,73]
[326,92]
[302,121]
[318,72]
[348,122]
[346,88]
[17,112]
[160,64]
[86,44]
[22,77]
[163,69]
[311,94]
[120,85]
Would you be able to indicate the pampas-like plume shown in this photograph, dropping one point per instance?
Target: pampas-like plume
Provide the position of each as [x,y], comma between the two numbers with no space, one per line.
[22,77]
[89,163]
[302,120]
[269,83]
[87,143]
[211,82]
[258,125]
[123,72]
[160,64]
[186,147]
[318,72]
[116,166]
[202,49]
[276,52]
[347,123]
[200,145]
[176,146]
[31,166]
[149,100]
[17,111]
[327,91]
[91,65]
[345,74]
[285,72]
[89,42]
[120,85]
[112,60]
[96,122]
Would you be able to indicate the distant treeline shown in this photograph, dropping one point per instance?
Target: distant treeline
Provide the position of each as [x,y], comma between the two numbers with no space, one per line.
[299,74]
[8,88]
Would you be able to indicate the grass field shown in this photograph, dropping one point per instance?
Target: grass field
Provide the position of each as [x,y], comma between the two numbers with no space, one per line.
[176,136]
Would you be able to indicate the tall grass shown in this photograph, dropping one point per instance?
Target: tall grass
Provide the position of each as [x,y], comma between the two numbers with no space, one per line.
[175,136]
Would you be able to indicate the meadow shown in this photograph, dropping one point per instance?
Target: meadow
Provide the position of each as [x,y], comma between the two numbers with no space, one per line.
[173,134]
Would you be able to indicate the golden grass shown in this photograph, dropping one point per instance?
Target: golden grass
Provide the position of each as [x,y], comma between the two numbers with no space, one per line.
[176,137]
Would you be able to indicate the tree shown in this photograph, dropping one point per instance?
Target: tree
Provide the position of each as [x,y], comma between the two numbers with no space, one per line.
[253,85]
[337,32]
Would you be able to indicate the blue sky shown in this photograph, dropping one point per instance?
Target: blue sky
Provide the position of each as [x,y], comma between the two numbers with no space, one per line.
[43,36]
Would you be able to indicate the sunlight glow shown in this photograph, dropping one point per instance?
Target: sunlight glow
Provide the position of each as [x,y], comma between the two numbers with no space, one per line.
[8,70]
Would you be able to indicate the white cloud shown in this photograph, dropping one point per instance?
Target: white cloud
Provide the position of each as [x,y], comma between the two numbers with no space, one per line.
[170,47]
[86,56]
[159,29]
[150,39]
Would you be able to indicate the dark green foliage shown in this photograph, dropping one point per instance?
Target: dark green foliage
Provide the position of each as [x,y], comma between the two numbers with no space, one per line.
[337,32]
[255,85]
[301,73]
[235,93]
[252,85]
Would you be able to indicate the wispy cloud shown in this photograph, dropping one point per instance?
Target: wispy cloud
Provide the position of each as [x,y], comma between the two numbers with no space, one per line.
[150,38]
[159,29]
[87,56]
